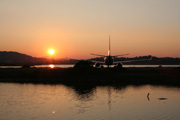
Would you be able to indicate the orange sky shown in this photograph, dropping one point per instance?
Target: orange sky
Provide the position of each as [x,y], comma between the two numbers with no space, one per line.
[78,28]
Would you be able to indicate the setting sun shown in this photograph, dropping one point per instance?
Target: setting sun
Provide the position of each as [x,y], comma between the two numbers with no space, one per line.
[51,51]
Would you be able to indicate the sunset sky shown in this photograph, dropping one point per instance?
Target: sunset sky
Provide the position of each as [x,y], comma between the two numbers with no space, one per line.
[77,28]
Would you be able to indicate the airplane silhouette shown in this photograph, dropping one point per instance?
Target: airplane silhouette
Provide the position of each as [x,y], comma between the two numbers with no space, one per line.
[109,59]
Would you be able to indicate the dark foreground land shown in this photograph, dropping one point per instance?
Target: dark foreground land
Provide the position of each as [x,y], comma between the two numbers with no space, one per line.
[93,76]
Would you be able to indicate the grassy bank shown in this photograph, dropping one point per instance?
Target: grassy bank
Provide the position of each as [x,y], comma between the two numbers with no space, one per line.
[93,76]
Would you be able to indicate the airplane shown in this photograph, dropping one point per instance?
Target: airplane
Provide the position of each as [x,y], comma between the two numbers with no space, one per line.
[109,59]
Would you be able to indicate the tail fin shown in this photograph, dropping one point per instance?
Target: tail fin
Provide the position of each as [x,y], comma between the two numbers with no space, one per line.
[109,51]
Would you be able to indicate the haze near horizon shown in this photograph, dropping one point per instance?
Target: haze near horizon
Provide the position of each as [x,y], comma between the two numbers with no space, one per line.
[79,27]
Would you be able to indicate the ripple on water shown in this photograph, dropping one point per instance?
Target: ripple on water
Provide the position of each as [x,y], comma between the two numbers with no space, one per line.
[27,101]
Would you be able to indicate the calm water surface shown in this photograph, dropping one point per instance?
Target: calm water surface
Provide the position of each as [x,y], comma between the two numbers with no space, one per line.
[71,65]
[59,102]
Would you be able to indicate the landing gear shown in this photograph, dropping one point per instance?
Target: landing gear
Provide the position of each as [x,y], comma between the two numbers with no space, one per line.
[97,65]
[119,65]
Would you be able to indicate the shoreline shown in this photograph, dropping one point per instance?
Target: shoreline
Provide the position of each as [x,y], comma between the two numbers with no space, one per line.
[93,76]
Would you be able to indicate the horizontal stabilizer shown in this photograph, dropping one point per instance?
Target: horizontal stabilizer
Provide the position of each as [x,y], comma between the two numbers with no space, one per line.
[120,55]
[98,55]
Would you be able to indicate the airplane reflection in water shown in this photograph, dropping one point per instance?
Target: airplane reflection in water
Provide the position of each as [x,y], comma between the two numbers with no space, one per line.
[109,59]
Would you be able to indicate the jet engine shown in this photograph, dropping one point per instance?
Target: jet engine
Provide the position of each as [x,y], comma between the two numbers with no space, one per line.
[97,64]
[119,65]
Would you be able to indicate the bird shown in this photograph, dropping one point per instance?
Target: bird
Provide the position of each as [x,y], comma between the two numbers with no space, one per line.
[148,95]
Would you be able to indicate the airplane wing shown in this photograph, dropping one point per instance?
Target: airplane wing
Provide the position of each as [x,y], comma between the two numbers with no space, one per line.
[126,61]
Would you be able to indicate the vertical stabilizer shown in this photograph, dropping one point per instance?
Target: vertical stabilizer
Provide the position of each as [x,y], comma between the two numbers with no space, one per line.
[109,51]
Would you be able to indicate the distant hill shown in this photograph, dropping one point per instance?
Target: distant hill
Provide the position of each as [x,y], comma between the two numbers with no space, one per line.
[15,58]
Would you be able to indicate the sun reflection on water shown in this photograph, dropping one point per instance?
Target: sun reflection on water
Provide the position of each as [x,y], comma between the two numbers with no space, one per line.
[51,66]
[53,112]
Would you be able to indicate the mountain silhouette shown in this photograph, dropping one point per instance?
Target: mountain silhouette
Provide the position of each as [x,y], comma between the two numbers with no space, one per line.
[15,58]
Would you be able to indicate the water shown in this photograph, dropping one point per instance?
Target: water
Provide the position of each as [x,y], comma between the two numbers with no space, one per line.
[59,102]
[71,65]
